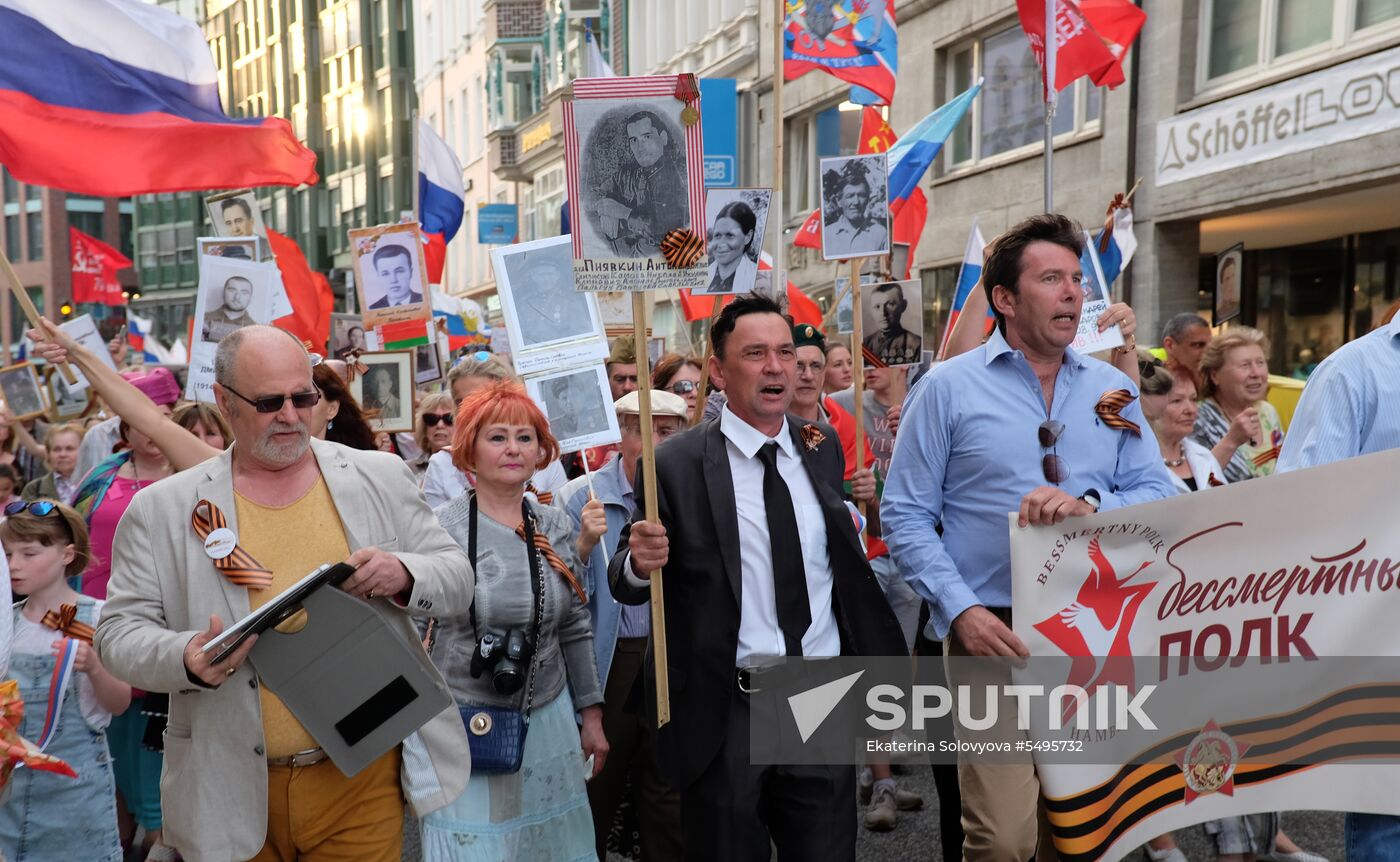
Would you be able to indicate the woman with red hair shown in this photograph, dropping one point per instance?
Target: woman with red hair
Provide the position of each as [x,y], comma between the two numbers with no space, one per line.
[526,646]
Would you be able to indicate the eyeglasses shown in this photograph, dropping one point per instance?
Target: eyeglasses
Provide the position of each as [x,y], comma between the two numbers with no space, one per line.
[431,419]
[273,403]
[1055,468]
[38,507]
[316,359]
[684,387]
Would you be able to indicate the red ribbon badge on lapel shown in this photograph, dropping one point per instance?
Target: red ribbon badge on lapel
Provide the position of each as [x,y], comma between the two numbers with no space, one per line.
[1110,409]
[222,546]
[65,620]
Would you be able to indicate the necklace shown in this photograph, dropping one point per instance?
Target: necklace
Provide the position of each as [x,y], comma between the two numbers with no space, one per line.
[1179,461]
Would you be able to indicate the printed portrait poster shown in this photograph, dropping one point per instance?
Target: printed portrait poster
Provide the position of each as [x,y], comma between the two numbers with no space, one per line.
[19,384]
[892,322]
[385,390]
[237,215]
[252,248]
[232,294]
[855,206]
[1096,302]
[348,334]
[552,325]
[83,329]
[1229,272]
[390,273]
[578,404]
[734,223]
[633,157]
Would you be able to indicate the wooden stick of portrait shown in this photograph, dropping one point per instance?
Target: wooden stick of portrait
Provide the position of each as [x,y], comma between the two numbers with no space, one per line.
[858,365]
[30,312]
[658,605]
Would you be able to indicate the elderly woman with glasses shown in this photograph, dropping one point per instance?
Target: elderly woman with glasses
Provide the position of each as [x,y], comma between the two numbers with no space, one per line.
[679,375]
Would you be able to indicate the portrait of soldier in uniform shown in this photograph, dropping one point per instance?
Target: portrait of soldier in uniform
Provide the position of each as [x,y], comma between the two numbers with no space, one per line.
[635,190]
[894,323]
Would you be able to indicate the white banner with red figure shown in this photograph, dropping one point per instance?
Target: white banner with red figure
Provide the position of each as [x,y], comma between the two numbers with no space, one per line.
[1261,613]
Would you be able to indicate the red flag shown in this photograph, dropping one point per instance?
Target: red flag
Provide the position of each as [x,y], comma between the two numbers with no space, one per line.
[435,257]
[909,225]
[310,293]
[876,136]
[1078,49]
[95,265]
[800,306]
[1118,23]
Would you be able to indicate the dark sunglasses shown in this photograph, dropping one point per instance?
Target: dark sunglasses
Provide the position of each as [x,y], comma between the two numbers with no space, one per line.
[682,387]
[38,507]
[273,403]
[1055,468]
[431,419]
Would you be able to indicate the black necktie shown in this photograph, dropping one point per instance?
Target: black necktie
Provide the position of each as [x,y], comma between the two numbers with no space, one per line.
[789,576]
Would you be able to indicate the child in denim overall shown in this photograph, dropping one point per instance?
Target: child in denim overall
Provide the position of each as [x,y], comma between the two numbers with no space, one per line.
[44,816]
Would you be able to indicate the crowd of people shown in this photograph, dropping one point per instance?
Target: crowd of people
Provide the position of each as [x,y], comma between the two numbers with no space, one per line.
[524,573]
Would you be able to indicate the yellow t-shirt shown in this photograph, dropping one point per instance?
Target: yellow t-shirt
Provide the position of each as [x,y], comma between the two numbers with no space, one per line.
[289,540]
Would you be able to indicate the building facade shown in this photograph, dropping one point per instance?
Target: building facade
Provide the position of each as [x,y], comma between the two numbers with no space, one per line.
[451,62]
[340,71]
[34,234]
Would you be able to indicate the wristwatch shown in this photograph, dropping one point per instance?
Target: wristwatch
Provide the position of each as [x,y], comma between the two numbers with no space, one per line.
[1091,497]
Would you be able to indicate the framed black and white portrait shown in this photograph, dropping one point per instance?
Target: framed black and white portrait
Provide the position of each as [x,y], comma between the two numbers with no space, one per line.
[855,206]
[551,324]
[635,175]
[385,390]
[23,395]
[236,214]
[578,404]
[892,327]
[734,224]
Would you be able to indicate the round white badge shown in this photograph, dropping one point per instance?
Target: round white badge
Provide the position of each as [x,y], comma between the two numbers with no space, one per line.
[220,543]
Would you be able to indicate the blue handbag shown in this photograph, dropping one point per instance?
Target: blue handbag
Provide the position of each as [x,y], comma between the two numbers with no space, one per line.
[496,734]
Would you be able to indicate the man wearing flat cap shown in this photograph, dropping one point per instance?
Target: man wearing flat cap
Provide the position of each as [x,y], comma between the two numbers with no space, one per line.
[620,636]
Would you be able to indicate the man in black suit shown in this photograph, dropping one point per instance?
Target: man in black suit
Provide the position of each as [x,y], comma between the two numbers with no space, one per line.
[791,580]
[394,266]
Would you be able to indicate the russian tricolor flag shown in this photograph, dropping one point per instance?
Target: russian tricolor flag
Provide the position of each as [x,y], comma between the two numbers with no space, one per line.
[914,152]
[968,275]
[441,191]
[120,97]
[1116,248]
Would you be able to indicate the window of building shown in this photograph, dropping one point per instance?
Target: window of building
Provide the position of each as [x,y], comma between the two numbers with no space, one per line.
[829,132]
[11,186]
[1010,114]
[34,234]
[1369,13]
[18,322]
[1240,38]
[12,236]
[939,285]
[89,223]
[549,201]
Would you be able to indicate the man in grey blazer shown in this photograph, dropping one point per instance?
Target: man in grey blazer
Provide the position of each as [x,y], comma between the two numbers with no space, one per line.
[225,796]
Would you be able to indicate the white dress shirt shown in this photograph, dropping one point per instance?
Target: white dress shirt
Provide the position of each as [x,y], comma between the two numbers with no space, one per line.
[443,482]
[759,633]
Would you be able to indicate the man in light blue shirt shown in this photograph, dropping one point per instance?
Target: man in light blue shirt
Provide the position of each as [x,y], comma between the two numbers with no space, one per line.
[1351,407]
[1010,426]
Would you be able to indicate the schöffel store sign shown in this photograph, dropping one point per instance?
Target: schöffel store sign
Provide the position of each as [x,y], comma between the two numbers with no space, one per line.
[1357,98]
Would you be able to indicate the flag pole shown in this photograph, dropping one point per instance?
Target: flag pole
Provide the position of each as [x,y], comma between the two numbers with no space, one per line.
[779,283]
[1050,50]
[648,477]
[30,312]
[858,367]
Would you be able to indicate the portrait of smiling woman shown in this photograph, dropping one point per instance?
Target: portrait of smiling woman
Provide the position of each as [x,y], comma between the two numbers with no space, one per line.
[736,219]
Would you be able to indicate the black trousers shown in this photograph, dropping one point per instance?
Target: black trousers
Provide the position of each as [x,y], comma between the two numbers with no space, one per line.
[738,812]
